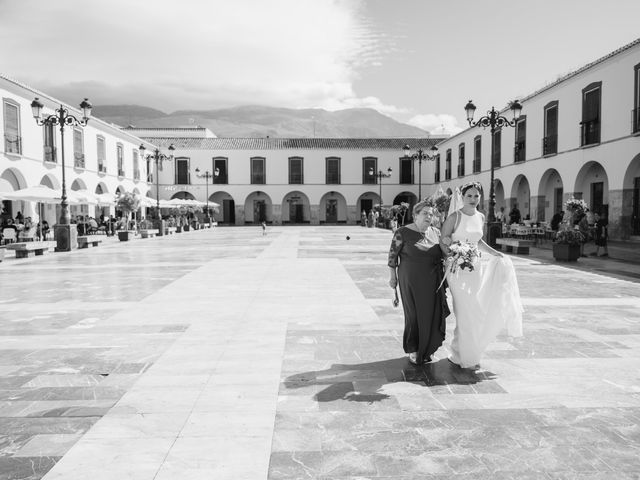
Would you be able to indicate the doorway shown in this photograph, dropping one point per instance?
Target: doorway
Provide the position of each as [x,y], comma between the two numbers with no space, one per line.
[259,211]
[296,213]
[332,211]
[229,211]
[635,219]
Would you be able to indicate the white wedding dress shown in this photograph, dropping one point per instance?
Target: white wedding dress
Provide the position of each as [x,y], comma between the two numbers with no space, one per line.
[485,300]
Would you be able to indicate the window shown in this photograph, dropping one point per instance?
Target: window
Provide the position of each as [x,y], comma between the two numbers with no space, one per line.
[550,139]
[436,176]
[220,163]
[333,171]
[519,150]
[497,143]
[447,165]
[120,157]
[102,154]
[461,160]
[295,170]
[12,138]
[369,170]
[49,143]
[78,148]
[477,154]
[183,176]
[136,164]
[590,125]
[258,173]
[149,171]
[635,113]
[406,170]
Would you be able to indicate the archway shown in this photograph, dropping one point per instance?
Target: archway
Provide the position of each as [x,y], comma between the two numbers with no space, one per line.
[333,208]
[498,190]
[550,196]
[629,212]
[592,185]
[227,211]
[409,198]
[183,196]
[10,181]
[258,208]
[521,196]
[296,208]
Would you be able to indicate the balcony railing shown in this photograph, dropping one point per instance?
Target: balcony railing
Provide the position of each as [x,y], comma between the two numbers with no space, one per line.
[476,165]
[333,179]
[12,143]
[102,168]
[436,177]
[590,132]
[258,179]
[295,179]
[120,172]
[635,120]
[78,160]
[461,168]
[50,154]
[136,174]
[447,174]
[550,145]
[497,160]
[220,179]
[519,152]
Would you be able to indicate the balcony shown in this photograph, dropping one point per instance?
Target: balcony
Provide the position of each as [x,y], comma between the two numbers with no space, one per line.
[635,120]
[102,168]
[461,167]
[78,160]
[120,172]
[136,174]
[258,179]
[149,177]
[497,160]
[589,132]
[12,144]
[550,145]
[296,179]
[333,179]
[50,154]
[436,177]
[221,179]
[519,152]
[447,174]
[476,165]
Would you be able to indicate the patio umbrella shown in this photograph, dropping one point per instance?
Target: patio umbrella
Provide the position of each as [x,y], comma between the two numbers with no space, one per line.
[105,199]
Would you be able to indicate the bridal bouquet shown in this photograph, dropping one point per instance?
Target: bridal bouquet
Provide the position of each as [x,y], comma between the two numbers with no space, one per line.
[463,256]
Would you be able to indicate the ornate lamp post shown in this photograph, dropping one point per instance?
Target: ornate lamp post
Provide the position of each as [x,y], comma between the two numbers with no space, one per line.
[66,234]
[493,119]
[379,176]
[421,156]
[158,157]
[206,175]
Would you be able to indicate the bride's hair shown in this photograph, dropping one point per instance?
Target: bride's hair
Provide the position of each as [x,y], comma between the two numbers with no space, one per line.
[469,185]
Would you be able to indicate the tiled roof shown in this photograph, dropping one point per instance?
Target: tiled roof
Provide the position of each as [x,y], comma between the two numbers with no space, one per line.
[295,143]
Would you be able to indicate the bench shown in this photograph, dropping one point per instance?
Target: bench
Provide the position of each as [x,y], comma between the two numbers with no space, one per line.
[170,230]
[148,232]
[84,241]
[2,248]
[24,249]
[521,246]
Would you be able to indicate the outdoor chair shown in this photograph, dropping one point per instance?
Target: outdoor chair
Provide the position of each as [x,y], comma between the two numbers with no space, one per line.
[9,235]
[28,235]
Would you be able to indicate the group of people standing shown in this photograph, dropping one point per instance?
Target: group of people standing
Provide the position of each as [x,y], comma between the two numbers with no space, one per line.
[484,299]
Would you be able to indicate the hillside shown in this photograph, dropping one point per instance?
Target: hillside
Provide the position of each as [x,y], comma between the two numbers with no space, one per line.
[261,121]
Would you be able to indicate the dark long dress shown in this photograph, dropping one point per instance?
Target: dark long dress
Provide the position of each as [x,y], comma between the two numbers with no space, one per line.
[425,307]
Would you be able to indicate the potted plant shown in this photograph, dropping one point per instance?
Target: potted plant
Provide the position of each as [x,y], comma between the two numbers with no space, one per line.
[127,202]
[566,244]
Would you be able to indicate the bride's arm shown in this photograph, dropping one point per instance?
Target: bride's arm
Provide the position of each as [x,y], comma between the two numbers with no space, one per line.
[483,246]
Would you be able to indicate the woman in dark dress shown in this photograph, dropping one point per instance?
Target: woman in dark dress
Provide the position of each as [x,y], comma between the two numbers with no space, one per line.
[415,262]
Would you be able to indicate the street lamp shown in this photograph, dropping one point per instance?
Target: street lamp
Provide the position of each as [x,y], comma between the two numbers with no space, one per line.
[420,156]
[65,233]
[157,156]
[380,175]
[493,119]
[206,175]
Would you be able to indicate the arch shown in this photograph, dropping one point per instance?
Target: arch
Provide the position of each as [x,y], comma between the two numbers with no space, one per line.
[498,191]
[333,208]
[550,195]
[630,210]
[226,212]
[101,187]
[521,196]
[136,190]
[183,195]
[78,184]
[406,197]
[14,178]
[120,190]
[296,208]
[366,201]
[592,185]
[258,207]
[50,181]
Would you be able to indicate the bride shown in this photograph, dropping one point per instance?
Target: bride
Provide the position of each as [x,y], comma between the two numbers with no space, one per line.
[485,299]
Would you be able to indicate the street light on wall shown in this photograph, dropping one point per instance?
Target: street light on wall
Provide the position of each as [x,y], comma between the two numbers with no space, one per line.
[158,157]
[493,119]
[65,233]
[206,175]
[421,156]
[380,175]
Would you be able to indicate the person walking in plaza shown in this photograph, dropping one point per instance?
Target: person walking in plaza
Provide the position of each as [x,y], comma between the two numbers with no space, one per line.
[415,265]
[514,215]
[486,297]
[601,232]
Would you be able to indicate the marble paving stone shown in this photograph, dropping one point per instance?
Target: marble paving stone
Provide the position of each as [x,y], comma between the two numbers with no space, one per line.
[48,445]
[25,468]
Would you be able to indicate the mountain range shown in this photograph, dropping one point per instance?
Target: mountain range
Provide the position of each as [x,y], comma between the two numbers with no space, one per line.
[261,121]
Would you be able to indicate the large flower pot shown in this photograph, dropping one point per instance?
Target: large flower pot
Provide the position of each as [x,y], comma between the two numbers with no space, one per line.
[566,253]
[125,235]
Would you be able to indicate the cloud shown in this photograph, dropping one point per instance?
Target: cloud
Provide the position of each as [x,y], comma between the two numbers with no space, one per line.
[436,124]
[192,54]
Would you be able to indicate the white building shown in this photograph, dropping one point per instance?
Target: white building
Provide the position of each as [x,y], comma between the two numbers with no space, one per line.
[99,158]
[579,136]
[290,180]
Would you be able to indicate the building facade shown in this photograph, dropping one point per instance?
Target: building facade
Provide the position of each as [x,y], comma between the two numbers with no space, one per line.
[579,136]
[290,181]
[99,158]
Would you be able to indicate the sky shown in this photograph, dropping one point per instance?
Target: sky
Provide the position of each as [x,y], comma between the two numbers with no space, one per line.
[417,61]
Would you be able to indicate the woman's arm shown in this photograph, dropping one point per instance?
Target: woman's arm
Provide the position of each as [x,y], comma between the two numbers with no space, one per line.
[394,253]
[446,232]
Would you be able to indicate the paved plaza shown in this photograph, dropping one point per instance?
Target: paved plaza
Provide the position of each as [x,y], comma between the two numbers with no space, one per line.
[225,354]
